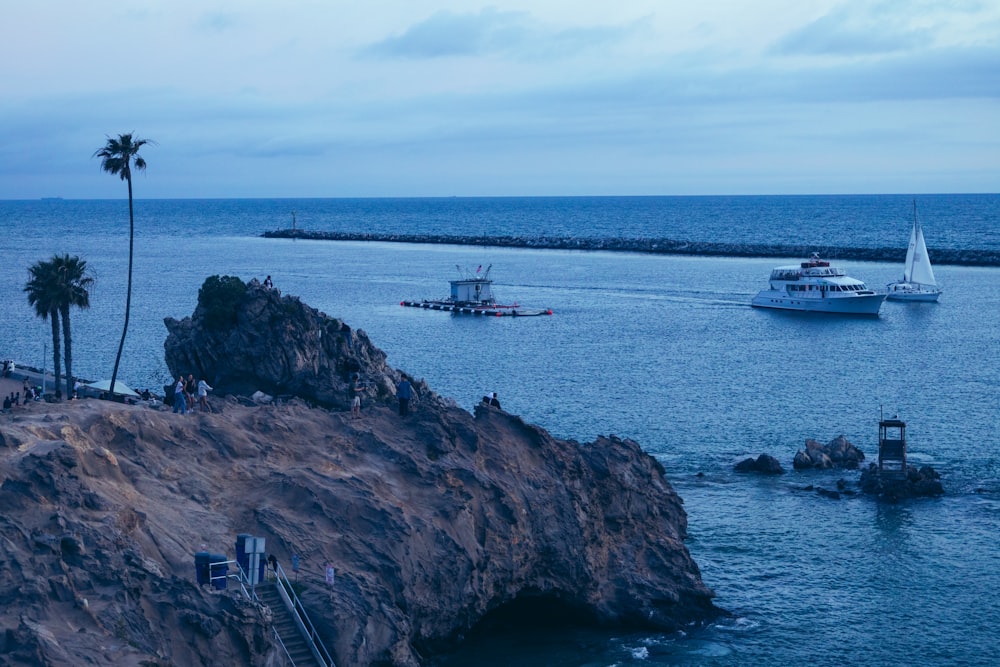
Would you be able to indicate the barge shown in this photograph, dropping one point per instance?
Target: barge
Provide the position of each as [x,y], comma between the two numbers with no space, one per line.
[472,294]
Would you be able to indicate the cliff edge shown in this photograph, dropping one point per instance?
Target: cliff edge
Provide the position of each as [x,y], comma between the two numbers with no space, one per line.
[431,521]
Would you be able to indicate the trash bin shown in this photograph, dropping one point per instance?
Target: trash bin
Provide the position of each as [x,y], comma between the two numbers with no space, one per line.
[201,561]
[219,571]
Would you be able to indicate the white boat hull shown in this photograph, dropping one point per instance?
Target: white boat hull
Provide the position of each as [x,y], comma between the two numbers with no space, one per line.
[860,304]
[911,292]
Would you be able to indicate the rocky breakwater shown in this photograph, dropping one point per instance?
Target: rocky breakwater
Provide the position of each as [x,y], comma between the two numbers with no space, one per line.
[657,246]
[432,521]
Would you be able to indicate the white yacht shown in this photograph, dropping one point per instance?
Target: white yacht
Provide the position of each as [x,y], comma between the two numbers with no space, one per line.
[815,286]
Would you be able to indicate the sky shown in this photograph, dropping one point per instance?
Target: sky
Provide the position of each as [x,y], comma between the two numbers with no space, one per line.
[403,98]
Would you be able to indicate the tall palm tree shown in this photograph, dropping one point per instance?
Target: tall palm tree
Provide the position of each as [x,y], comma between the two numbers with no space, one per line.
[118,156]
[73,284]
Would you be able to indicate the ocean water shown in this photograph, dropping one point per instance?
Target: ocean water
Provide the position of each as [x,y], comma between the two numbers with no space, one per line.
[664,350]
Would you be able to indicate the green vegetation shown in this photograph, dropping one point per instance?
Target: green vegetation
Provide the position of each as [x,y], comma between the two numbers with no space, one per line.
[218,300]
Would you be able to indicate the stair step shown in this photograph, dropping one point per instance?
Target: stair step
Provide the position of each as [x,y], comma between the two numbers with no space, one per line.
[284,623]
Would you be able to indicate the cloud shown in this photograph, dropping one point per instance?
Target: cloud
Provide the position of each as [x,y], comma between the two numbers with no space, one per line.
[449,34]
[946,73]
[218,22]
[492,32]
[847,32]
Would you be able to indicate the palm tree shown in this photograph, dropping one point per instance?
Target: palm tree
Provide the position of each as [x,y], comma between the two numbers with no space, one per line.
[42,289]
[53,286]
[73,283]
[118,156]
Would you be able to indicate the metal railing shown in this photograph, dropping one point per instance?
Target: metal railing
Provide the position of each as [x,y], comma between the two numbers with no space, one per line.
[249,592]
[284,648]
[293,603]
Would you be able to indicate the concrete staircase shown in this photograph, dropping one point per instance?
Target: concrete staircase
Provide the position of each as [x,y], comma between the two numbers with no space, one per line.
[284,624]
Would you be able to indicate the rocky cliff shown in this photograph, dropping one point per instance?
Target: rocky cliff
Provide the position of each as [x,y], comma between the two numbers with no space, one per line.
[431,521]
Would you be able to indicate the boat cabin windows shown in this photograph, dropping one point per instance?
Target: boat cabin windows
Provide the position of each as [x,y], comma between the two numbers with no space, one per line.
[785,274]
[823,272]
[826,288]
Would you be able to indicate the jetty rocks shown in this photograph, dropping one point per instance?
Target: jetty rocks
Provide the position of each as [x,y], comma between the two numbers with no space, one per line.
[656,246]
[432,521]
[923,482]
[838,453]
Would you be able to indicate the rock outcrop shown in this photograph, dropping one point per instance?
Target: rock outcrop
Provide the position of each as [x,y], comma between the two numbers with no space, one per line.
[839,453]
[765,464]
[280,346]
[432,521]
[924,482]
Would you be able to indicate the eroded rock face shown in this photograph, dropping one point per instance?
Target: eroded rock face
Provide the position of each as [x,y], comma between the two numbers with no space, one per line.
[281,347]
[431,520]
[85,577]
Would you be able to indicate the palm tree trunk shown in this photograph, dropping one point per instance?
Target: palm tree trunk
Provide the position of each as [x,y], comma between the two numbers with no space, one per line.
[128,293]
[54,316]
[67,350]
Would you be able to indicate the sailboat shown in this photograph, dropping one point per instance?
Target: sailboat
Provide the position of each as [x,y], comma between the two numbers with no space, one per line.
[918,283]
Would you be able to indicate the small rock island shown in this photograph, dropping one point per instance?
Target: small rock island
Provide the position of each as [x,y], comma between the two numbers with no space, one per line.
[432,520]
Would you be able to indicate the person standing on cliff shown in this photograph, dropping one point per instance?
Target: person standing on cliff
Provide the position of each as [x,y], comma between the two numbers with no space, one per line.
[179,403]
[203,390]
[267,283]
[404,392]
[190,389]
[356,388]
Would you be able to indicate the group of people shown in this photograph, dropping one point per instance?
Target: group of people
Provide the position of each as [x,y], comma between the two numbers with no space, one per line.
[491,399]
[357,387]
[404,394]
[23,397]
[184,393]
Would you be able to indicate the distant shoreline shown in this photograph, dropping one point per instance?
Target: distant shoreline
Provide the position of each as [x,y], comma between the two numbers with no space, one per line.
[655,246]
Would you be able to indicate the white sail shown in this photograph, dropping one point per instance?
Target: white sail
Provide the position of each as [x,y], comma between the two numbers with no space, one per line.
[918,283]
[918,264]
